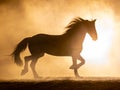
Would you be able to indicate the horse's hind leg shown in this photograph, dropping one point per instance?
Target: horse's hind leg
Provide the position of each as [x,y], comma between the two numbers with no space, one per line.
[33,63]
[27,59]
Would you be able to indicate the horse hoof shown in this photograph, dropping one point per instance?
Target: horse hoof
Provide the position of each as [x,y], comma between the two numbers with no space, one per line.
[37,77]
[73,67]
[78,77]
[24,72]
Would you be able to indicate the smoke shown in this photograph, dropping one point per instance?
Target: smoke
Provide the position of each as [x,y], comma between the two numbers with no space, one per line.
[23,18]
[115,49]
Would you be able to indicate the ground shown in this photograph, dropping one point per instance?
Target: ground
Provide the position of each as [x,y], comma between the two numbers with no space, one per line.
[88,83]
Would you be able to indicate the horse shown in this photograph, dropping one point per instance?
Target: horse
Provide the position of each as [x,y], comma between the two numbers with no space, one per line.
[67,44]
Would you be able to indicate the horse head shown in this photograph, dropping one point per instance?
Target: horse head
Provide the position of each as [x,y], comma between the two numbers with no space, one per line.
[91,30]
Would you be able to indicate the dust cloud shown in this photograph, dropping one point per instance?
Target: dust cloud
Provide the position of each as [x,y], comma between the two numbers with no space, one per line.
[115,49]
[23,18]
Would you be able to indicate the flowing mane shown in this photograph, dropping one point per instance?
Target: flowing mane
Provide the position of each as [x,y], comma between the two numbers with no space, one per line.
[74,24]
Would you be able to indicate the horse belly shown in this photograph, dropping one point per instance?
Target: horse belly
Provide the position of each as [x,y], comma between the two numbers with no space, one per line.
[59,52]
[62,50]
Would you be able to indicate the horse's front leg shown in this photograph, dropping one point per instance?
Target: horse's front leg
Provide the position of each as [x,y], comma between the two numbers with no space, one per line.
[82,61]
[74,66]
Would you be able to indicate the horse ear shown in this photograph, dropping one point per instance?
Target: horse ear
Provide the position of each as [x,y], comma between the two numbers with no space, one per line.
[82,19]
[94,20]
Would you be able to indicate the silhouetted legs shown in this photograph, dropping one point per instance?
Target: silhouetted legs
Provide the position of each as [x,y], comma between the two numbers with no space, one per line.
[75,66]
[82,61]
[33,59]
[32,65]
[27,59]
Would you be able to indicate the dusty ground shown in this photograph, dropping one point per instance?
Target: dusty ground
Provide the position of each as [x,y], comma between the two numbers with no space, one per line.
[62,84]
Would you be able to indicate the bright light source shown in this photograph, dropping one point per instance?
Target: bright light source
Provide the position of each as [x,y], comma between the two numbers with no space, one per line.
[96,52]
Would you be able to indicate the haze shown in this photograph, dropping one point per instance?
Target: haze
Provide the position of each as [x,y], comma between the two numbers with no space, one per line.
[23,18]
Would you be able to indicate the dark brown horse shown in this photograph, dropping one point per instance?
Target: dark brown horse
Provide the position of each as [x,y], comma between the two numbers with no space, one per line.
[67,44]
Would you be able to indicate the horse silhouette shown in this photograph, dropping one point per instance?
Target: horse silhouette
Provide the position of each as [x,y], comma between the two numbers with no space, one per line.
[66,44]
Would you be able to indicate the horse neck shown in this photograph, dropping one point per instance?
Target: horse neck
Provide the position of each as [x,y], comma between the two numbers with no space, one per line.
[75,37]
[79,37]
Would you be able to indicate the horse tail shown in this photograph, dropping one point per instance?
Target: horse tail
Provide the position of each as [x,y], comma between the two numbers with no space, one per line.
[19,48]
